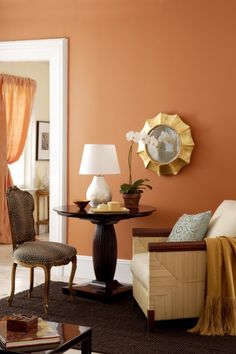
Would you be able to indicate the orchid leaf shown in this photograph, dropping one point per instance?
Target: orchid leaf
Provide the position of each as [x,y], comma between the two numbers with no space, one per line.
[137,186]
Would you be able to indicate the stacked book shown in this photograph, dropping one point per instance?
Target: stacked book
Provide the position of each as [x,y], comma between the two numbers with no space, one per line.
[43,336]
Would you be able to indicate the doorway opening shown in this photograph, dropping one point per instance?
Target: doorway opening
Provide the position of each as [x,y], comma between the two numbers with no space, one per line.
[53,51]
[31,171]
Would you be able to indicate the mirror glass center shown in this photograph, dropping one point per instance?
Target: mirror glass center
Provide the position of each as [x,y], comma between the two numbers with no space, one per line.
[168,144]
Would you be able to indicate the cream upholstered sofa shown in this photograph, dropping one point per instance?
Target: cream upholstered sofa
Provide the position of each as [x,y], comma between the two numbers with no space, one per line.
[169,277]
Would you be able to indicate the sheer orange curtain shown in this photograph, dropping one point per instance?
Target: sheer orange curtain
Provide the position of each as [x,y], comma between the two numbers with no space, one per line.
[16,102]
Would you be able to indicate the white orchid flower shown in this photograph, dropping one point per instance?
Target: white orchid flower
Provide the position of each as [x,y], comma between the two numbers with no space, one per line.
[130,135]
[137,137]
[144,138]
[133,136]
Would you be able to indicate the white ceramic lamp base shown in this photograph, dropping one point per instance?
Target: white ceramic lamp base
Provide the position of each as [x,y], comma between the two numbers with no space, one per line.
[98,191]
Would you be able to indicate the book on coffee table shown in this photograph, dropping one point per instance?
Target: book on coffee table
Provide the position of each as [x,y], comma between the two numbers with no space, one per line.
[43,336]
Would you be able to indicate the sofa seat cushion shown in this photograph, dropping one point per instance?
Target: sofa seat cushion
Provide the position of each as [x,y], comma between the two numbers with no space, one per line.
[223,221]
[44,252]
[140,268]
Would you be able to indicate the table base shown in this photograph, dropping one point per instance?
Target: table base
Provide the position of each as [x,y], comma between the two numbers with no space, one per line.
[101,291]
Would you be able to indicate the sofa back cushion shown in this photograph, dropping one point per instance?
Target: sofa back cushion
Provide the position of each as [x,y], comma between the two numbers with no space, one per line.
[223,221]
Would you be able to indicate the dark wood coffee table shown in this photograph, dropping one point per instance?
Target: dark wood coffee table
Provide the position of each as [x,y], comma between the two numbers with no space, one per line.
[70,335]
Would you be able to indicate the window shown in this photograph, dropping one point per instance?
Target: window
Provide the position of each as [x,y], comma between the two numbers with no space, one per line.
[23,170]
[17,170]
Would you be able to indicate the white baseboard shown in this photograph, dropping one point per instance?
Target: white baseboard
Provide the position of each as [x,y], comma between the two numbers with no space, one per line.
[85,269]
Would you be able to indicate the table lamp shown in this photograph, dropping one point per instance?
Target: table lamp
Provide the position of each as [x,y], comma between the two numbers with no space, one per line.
[99,160]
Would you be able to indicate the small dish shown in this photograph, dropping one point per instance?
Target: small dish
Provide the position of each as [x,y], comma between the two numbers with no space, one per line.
[81,203]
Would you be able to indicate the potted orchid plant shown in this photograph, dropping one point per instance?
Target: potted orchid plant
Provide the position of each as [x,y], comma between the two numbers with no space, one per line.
[133,189]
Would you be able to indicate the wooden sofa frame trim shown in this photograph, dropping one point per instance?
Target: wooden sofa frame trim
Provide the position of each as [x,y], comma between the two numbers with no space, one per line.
[147,232]
[167,246]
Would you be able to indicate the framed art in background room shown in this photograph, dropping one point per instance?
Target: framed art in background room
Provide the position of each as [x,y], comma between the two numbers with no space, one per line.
[42,141]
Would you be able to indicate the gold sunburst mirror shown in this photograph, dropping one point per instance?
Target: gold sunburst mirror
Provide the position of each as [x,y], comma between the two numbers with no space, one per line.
[174,144]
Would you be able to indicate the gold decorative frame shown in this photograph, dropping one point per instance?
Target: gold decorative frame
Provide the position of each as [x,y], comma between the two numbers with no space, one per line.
[183,132]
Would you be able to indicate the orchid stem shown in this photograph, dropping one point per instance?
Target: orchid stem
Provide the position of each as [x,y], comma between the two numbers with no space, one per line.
[130,162]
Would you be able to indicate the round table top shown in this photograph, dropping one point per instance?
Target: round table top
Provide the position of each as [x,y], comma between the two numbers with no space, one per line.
[112,217]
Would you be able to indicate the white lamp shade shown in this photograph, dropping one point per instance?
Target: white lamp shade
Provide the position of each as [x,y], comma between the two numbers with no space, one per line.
[99,159]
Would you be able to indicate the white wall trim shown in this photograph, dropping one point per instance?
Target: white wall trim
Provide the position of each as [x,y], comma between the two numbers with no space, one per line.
[85,270]
[55,52]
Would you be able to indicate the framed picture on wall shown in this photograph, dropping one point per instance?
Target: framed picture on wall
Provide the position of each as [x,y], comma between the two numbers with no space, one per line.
[42,141]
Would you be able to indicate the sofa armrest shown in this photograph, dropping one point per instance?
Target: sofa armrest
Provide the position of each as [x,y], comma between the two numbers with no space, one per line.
[176,246]
[150,232]
[143,236]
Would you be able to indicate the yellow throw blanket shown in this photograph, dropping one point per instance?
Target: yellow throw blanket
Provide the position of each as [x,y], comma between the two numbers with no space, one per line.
[218,314]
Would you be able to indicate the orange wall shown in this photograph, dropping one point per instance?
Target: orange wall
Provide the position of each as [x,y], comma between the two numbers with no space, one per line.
[128,61]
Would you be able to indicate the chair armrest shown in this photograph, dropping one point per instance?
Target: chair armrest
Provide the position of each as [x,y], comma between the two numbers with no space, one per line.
[176,246]
[150,232]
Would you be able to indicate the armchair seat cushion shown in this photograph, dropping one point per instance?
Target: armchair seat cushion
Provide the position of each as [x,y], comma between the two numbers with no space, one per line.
[140,268]
[43,252]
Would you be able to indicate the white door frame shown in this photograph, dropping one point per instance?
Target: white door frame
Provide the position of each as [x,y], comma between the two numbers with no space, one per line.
[53,51]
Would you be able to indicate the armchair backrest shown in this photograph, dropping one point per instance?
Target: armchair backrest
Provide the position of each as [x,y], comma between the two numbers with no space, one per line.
[20,208]
[223,221]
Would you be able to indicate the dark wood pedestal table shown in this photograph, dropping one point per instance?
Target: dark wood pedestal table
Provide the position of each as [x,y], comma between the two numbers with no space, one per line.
[105,287]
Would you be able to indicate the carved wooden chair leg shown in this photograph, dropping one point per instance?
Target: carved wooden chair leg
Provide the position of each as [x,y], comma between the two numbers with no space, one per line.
[150,320]
[31,281]
[72,274]
[13,274]
[46,287]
